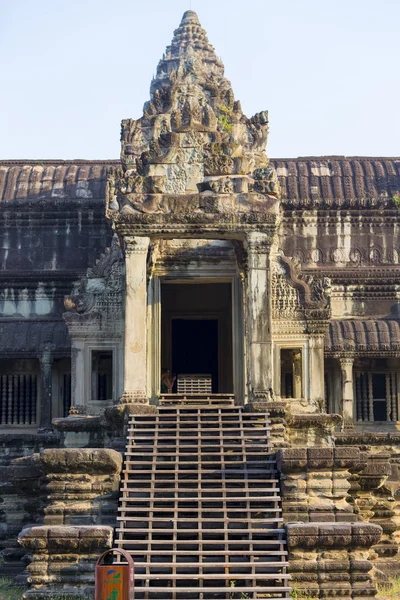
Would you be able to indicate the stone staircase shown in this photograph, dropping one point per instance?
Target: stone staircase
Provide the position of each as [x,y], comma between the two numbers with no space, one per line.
[200,507]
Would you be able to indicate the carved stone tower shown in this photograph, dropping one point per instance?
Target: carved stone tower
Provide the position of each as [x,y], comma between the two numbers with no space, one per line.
[194,167]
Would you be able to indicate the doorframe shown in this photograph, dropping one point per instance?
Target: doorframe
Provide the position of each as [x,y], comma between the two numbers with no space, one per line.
[154,330]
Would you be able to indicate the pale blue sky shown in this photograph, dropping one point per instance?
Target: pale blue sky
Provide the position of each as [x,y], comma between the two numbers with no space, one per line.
[328,72]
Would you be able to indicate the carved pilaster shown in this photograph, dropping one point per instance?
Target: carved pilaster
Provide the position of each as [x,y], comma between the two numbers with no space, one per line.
[259,315]
[135,348]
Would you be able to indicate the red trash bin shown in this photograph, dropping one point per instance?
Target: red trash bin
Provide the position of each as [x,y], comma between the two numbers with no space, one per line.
[115,582]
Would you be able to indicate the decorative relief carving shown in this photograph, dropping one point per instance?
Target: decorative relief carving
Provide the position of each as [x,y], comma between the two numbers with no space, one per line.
[95,302]
[299,296]
[357,256]
[374,256]
[337,256]
[286,298]
[317,256]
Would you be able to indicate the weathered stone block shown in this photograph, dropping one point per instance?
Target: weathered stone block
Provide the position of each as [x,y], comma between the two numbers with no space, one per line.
[291,459]
[320,458]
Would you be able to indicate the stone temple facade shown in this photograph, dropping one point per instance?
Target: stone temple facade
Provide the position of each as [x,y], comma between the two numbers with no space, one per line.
[272,282]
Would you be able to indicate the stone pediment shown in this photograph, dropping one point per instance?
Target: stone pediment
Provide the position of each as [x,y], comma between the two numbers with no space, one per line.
[193,154]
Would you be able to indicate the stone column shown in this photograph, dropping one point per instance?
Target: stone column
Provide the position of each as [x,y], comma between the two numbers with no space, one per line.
[316,370]
[259,316]
[135,348]
[297,374]
[46,363]
[79,397]
[346,365]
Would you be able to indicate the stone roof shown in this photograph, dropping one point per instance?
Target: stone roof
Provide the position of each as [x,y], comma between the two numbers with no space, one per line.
[305,182]
[30,337]
[337,181]
[53,180]
[363,336]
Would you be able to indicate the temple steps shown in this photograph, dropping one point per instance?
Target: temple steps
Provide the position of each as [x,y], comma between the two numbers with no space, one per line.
[167,400]
[200,504]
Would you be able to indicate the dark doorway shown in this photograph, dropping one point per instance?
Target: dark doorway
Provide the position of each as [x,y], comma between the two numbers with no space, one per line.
[196,332]
[195,348]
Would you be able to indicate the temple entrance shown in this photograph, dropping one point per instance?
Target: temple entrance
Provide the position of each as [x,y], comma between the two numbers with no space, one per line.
[196,335]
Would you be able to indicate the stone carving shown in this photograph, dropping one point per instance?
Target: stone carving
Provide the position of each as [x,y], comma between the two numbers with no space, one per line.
[355,256]
[299,296]
[314,290]
[375,256]
[286,298]
[337,256]
[193,140]
[265,180]
[317,256]
[96,299]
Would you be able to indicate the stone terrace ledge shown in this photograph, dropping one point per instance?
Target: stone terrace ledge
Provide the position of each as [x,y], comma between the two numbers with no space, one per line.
[64,559]
[329,535]
[329,560]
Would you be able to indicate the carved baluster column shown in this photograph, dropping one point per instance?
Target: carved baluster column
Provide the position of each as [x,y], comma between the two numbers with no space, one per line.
[365,396]
[346,365]
[394,396]
[135,348]
[297,375]
[259,315]
[370,398]
[388,398]
[46,392]
[359,396]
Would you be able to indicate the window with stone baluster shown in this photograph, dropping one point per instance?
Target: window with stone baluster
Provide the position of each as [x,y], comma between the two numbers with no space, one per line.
[376,396]
[19,381]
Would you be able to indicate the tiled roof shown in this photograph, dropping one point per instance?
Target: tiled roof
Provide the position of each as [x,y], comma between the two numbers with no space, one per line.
[369,335]
[53,180]
[305,182]
[337,180]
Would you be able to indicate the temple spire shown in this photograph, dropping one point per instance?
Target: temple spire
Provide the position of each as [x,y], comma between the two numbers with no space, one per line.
[193,137]
[189,45]
[190,18]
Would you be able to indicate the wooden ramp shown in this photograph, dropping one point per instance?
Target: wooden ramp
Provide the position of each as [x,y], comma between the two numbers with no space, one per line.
[200,507]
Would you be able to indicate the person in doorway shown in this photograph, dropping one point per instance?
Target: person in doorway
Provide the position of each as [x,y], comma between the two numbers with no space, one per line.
[167,382]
